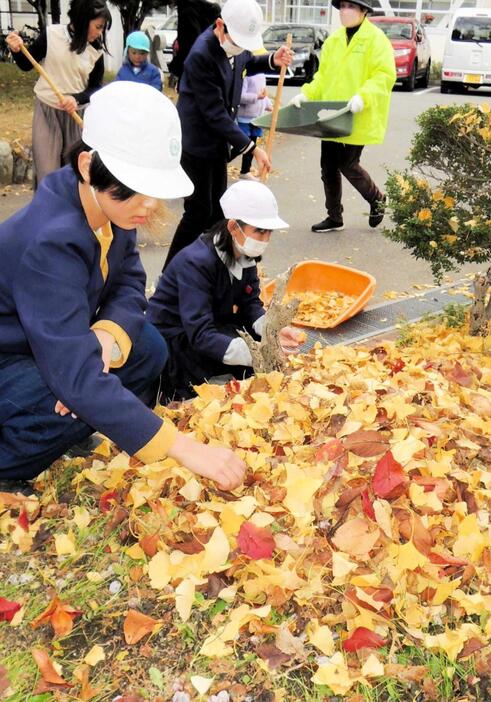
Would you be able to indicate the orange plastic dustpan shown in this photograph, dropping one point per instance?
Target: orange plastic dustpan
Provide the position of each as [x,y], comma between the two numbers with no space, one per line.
[321,276]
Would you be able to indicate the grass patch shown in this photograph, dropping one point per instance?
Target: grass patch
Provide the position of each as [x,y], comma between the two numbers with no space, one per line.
[16,103]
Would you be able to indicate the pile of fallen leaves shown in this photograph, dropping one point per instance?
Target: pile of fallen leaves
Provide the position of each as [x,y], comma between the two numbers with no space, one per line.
[320,308]
[356,553]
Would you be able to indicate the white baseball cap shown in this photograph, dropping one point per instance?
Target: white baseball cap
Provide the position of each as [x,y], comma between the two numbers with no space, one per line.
[244,20]
[137,133]
[252,203]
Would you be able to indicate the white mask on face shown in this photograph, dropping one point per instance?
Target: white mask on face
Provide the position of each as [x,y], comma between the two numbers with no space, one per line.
[230,48]
[350,17]
[251,247]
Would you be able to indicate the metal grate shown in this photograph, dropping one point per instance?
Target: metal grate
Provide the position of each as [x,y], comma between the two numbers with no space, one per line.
[386,316]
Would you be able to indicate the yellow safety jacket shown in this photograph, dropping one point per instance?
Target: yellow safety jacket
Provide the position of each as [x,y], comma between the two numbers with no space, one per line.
[366,67]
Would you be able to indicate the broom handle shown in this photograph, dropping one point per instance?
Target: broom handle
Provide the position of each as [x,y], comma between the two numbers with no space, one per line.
[276,109]
[48,80]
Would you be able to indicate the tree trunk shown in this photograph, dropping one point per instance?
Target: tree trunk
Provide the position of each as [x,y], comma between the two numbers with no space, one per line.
[481,307]
[55,11]
[267,354]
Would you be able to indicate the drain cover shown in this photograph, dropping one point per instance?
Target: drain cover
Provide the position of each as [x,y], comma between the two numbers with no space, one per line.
[386,316]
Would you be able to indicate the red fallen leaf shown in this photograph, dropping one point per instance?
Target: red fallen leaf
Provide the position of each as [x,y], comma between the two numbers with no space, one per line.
[380,594]
[105,500]
[366,443]
[233,387]
[367,506]
[273,655]
[446,560]
[395,366]
[59,614]
[8,609]
[458,375]
[329,451]
[389,475]
[255,542]
[23,521]
[4,680]
[149,544]
[137,625]
[363,638]
[470,647]
[46,668]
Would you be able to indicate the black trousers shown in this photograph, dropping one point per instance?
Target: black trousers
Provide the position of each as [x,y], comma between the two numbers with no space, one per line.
[339,159]
[202,208]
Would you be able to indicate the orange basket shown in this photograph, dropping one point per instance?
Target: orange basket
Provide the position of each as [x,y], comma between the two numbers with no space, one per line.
[324,277]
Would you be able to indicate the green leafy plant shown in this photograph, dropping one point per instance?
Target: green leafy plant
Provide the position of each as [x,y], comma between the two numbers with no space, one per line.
[441,207]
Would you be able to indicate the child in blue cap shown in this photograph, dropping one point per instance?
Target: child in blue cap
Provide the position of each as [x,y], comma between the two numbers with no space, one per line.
[136,66]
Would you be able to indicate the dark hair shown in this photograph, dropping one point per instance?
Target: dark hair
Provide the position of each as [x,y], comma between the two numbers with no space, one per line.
[100,178]
[223,240]
[81,13]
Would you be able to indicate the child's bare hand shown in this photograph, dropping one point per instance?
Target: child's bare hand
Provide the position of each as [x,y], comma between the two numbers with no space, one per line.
[215,462]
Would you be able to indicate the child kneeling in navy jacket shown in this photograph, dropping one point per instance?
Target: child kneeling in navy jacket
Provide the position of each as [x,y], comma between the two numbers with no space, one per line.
[76,353]
[210,290]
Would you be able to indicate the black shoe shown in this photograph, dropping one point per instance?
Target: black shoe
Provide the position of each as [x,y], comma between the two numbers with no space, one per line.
[15,486]
[327,225]
[377,211]
[84,448]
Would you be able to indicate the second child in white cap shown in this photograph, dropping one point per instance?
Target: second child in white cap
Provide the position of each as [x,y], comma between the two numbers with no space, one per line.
[76,353]
[209,96]
[210,290]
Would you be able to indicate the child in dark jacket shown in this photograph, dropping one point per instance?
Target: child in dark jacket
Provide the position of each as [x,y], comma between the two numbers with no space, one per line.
[136,66]
[76,353]
[210,291]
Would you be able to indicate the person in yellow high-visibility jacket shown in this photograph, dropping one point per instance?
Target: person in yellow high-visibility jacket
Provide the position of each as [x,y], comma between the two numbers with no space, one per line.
[357,65]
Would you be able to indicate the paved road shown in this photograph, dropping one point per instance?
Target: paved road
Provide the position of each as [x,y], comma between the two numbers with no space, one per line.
[297,185]
[298,188]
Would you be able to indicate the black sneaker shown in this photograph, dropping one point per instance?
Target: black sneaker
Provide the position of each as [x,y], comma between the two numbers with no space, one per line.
[15,486]
[327,225]
[84,448]
[377,212]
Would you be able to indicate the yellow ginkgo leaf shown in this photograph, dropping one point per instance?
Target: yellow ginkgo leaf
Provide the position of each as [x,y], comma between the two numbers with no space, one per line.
[201,684]
[184,598]
[335,674]
[65,544]
[320,637]
[95,655]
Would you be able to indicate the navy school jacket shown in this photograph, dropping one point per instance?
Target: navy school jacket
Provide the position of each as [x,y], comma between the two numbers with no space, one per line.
[149,74]
[196,295]
[209,96]
[51,292]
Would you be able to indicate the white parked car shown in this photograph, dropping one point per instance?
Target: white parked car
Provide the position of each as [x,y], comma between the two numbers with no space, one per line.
[467,57]
[168,30]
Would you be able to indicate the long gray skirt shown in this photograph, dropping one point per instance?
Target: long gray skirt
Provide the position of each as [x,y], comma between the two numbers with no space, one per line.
[53,133]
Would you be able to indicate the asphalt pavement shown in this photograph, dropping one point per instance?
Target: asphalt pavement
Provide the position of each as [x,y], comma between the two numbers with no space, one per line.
[297,185]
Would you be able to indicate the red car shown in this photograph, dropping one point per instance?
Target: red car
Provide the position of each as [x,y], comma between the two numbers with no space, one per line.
[411,49]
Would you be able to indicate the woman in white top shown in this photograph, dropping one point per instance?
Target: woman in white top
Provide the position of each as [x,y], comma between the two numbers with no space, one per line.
[72,55]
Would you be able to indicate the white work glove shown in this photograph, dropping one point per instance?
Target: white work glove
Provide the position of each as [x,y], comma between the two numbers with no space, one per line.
[356,104]
[298,99]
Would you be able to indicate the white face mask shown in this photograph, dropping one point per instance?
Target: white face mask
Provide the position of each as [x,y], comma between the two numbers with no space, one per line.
[251,247]
[231,49]
[350,17]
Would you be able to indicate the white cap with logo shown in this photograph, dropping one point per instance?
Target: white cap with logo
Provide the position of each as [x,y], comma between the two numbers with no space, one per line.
[137,133]
[244,20]
[252,203]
